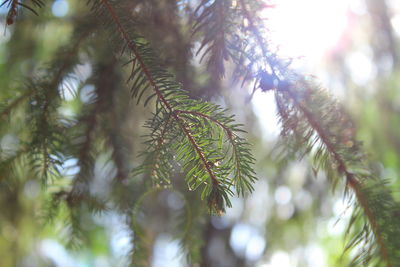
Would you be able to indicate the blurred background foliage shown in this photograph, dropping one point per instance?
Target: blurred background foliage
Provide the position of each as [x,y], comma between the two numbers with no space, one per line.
[292,219]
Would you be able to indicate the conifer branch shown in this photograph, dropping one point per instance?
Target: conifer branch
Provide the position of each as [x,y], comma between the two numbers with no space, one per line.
[352,181]
[48,134]
[199,114]
[173,101]
[342,168]
[84,158]
[257,34]
[158,149]
[105,82]
[136,53]
[232,137]
[199,151]
[215,23]
[151,80]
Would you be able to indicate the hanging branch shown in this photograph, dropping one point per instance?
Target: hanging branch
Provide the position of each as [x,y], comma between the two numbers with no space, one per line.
[342,167]
[48,135]
[160,96]
[191,123]
[214,21]
[310,117]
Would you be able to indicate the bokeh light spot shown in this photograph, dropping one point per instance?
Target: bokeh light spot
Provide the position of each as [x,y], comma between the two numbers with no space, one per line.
[60,8]
[283,195]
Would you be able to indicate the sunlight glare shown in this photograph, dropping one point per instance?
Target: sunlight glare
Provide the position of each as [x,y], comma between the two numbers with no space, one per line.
[305,31]
[307,28]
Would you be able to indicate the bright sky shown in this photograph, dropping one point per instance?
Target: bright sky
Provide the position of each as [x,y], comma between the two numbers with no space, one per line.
[306,30]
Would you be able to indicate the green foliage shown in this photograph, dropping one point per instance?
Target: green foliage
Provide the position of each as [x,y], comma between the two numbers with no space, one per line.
[310,118]
[184,138]
[197,134]
[313,123]
[216,22]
